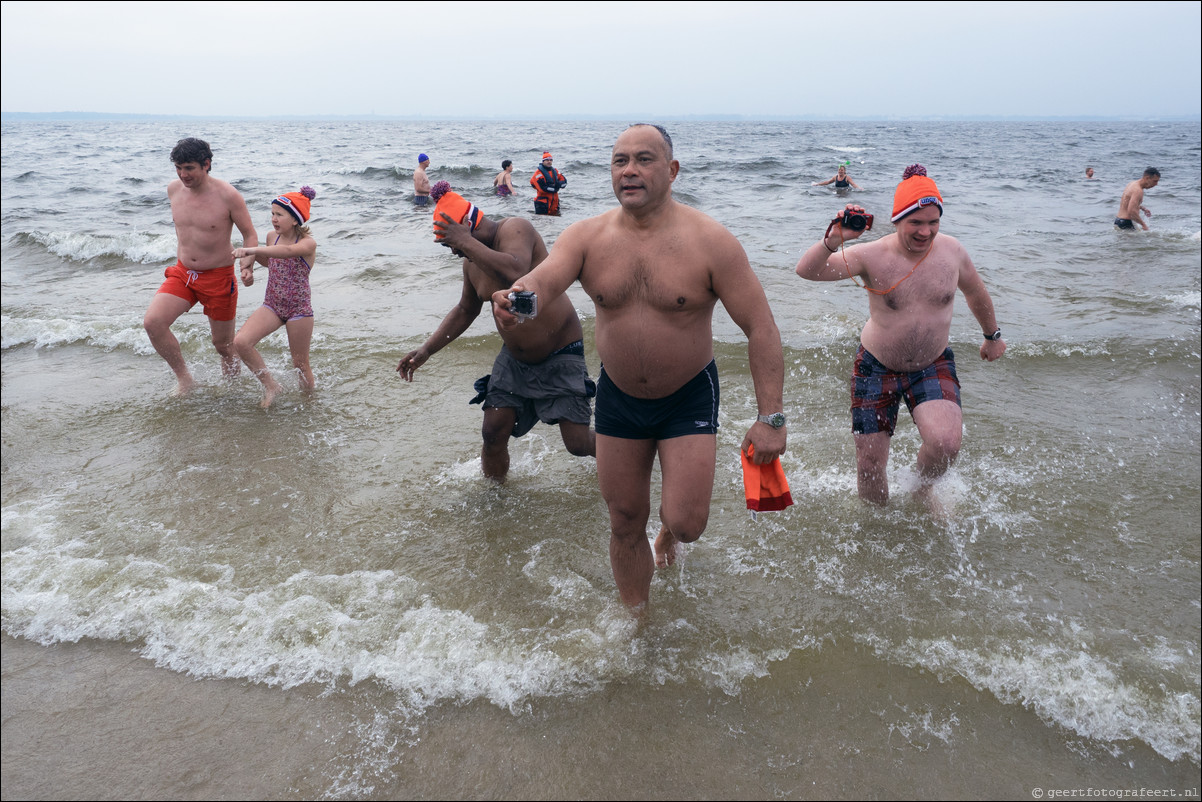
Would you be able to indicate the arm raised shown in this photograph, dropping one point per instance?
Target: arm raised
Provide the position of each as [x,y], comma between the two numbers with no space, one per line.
[552,277]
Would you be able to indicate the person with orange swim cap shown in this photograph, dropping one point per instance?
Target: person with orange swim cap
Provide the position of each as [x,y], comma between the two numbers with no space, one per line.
[547,181]
[911,277]
[540,374]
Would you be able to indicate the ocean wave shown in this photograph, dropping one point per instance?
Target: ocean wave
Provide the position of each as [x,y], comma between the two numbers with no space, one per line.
[383,173]
[109,333]
[137,246]
[1070,687]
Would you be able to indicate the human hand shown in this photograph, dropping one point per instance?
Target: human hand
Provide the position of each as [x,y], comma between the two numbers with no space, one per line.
[992,349]
[411,362]
[765,442]
[850,212]
[453,235]
[248,274]
[502,307]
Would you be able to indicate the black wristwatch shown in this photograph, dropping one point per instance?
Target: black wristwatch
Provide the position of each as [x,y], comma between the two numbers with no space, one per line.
[775,420]
[997,335]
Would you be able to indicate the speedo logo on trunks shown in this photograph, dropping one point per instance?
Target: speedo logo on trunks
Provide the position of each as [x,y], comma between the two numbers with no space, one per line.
[701,424]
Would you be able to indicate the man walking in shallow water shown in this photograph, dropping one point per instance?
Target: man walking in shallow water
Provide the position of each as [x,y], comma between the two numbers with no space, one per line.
[205,211]
[655,268]
[911,277]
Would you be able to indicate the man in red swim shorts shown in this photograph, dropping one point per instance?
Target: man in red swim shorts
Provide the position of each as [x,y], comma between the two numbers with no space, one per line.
[205,211]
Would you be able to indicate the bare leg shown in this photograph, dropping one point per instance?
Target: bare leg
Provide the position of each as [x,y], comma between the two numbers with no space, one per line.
[687,464]
[941,424]
[624,474]
[872,457]
[300,334]
[164,310]
[223,341]
[578,439]
[496,431]
[260,323]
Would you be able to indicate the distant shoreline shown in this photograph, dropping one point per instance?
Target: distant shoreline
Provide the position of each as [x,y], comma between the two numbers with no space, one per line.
[84,116]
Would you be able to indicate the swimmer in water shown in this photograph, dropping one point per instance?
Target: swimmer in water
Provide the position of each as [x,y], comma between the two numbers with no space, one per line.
[841,180]
[504,180]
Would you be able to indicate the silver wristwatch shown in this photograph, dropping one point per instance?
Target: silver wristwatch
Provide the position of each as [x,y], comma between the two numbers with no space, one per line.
[776,420]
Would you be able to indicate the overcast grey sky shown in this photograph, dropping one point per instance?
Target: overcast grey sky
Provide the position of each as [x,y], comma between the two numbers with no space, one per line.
[548,59]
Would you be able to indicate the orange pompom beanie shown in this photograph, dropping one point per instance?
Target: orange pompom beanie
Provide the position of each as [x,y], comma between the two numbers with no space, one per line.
[914,192]
[456,207]
[297,203]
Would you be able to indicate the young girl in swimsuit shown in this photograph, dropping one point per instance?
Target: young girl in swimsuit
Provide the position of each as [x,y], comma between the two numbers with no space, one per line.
[288,258]
[504,180]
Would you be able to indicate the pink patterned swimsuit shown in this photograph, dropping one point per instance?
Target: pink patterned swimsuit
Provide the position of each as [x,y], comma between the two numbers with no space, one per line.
[288,287]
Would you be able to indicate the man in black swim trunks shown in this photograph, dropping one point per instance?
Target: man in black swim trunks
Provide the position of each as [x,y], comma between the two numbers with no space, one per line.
[1132,202]
[655,268]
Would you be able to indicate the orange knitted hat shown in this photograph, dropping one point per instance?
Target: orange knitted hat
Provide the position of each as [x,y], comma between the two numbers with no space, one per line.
[914,192]
[455,206]
[297,203]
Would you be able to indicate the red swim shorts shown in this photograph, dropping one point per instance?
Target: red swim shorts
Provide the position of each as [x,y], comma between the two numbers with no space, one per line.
[217,289]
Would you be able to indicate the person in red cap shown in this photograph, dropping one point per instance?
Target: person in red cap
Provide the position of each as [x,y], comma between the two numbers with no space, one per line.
[288,300]
[655,269]
[547,181]
[205,211]
[911,277]
[540,373]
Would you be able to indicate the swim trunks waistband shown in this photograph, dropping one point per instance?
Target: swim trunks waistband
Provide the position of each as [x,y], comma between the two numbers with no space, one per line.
[576,349]
[216,289]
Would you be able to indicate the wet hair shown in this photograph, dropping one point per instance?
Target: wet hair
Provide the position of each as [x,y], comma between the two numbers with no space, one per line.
[192,150]
[505,164]
[662,132]
[1151,171]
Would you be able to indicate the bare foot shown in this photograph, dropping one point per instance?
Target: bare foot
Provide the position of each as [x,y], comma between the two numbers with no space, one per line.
[270,391]
[184,386]
[926,494]
[665,548]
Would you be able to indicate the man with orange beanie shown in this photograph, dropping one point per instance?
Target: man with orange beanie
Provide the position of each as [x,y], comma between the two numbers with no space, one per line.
[540,373]
[911,277]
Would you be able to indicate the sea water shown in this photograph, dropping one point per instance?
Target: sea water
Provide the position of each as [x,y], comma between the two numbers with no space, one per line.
[203,599]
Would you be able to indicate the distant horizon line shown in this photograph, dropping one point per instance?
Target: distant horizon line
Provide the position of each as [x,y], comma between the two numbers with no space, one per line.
[81,116]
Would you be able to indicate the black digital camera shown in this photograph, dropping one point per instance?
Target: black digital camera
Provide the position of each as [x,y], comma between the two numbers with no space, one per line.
[524,305]
[857,221]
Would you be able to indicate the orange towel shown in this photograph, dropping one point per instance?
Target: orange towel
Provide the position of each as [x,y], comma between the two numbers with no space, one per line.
[766,486]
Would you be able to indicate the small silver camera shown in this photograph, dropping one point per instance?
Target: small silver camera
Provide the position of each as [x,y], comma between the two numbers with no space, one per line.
[524,305]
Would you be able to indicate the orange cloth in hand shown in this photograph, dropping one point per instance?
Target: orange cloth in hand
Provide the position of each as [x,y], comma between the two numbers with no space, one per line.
[766,486]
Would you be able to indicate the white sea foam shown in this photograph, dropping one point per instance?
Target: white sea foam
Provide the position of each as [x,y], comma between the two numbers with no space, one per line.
[105,331]
[135,246]
[1066,685]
